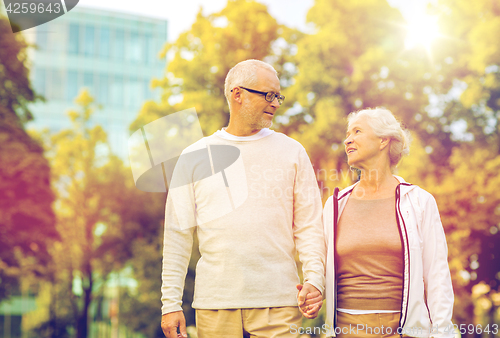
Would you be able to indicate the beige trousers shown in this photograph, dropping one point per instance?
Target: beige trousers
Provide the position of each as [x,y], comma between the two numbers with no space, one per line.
[242,323]
[368,325]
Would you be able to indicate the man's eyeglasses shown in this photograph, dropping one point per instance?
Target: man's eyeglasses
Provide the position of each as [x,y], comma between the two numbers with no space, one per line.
[268,95]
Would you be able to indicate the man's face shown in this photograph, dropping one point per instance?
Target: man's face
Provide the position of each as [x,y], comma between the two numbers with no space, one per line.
[255,111]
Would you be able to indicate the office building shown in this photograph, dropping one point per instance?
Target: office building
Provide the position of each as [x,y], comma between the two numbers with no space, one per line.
[114,55]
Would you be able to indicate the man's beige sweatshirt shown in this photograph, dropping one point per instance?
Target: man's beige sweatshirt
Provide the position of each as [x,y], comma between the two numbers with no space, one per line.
[250,218]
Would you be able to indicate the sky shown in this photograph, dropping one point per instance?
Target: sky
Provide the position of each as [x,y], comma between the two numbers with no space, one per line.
[181,14]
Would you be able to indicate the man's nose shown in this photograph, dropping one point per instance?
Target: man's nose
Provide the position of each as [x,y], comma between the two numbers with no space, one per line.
[275,103]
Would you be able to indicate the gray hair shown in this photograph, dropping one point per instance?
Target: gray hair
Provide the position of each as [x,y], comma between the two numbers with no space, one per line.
[384,124]
[244,74]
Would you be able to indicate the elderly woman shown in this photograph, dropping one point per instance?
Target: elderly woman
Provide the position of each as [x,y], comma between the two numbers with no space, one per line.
[387,272]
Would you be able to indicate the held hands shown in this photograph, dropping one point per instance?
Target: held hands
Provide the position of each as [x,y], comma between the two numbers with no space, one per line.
[309,300]
[171,321]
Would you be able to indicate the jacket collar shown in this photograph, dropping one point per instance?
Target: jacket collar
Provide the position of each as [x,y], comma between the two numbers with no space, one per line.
[405,187]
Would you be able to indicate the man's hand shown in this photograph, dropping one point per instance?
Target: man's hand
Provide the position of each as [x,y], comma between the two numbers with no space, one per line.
[171,321]
[309,300]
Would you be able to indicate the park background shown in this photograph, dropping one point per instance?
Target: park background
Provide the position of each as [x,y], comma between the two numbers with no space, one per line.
[84,244]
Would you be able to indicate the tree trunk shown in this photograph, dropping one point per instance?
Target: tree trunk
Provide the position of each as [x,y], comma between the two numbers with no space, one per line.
[53,308]
[491,318]
[83,320]
[470,314]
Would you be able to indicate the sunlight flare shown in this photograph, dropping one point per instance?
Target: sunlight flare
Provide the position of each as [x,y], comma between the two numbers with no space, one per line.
[422,30]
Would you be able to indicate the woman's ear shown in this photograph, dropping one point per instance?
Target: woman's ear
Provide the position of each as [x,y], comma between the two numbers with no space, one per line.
[384,142]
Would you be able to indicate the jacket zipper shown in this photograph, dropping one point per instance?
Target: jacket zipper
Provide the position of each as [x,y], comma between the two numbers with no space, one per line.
[405,254]
[335,261]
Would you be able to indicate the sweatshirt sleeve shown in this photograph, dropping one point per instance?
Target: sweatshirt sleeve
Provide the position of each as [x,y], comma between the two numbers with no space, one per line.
[180,222]
[177,245]
[307,223]
[437,279]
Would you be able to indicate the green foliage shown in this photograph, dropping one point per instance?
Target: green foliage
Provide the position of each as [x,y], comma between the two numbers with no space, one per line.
[141,309]
[47,321]
[467,64]
[26,216]
[355,59]
[99,214]
[139,306]
[15,89]
[467,61]
[471,216]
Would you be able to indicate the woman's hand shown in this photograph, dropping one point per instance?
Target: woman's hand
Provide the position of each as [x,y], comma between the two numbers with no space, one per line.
[309,300]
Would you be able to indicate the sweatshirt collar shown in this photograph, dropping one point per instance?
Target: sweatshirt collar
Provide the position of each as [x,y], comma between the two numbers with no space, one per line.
[261,134]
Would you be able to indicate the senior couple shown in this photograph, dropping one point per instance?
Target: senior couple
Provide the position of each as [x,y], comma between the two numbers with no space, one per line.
[377,252]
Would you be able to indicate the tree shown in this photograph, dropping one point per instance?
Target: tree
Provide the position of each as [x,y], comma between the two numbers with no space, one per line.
[468,199]
[202,56]
[468,61]
[470,215]
[357,59]
[97,217]
[26,217]
[468,58]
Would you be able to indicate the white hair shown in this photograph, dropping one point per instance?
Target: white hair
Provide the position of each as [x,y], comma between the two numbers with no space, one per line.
[244,74]
[384,124]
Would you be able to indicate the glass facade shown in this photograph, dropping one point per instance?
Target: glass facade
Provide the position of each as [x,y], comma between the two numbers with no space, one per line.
[72,85]
[73,38]
[89,41]
[104,42]
[113,55]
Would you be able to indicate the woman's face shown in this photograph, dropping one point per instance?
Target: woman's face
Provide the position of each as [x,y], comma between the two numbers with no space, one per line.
[362,146]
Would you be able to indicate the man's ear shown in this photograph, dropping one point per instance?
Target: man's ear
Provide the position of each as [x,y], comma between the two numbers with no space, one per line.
[236,94]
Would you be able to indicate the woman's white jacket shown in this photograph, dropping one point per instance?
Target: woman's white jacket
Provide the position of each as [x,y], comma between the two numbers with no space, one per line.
[427,300]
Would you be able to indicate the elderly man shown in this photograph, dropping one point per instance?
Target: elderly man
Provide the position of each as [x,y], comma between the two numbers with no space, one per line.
[246,278]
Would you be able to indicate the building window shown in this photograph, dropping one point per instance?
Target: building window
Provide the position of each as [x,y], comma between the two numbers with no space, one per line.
[134,48]
[102,89]
[88,82]
[148,93]
[104,42]
[71,85]
[74,39]
[40,82]
[55,89]
[148,49]
[117,91]
[57,43]
[41,39]
[133,94]
[118,44]
[89,42]
[137,94]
